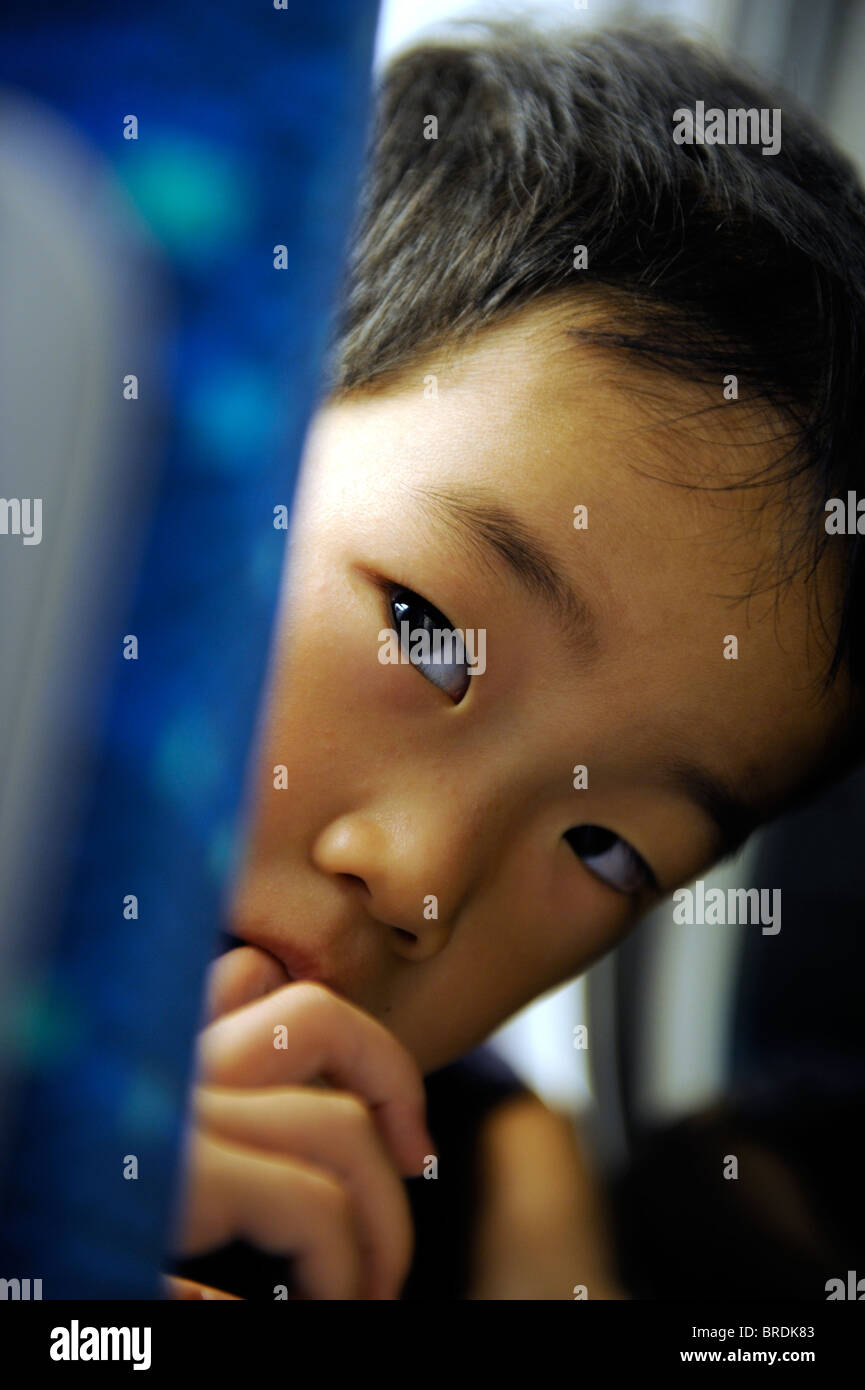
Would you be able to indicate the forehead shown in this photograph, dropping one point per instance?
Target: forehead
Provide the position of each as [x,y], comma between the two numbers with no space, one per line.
[530,387]
[526,413]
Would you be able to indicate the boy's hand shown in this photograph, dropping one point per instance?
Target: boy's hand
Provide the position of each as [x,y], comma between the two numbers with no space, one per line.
[294,1167]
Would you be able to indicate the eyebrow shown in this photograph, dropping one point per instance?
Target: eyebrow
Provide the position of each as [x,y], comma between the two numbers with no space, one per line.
[733,817]
[495,532]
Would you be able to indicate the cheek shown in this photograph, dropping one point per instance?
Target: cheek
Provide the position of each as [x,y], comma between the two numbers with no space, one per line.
[488,978]
[331,703]
[567,955]
[544,933]
[574,918]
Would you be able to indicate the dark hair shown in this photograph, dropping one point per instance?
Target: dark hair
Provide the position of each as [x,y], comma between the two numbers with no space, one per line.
[712,258]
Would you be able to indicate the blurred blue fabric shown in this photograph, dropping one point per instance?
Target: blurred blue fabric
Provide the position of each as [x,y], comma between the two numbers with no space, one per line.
[251,122]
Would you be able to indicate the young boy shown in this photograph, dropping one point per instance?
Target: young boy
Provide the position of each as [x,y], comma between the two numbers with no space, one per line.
[599,373]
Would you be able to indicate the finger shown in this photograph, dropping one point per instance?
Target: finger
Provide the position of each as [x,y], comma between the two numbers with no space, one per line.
[283,1206]
[240,976]
[186,1289]
[304,1031]
[332,1130]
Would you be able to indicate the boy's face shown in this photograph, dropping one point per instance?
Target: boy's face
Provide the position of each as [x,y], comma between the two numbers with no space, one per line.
[416,788]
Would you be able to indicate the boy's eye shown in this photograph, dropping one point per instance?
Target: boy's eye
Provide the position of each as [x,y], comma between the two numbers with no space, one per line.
[430,643]
[610,858]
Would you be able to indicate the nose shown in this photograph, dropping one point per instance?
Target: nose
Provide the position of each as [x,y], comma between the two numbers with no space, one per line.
[407,874]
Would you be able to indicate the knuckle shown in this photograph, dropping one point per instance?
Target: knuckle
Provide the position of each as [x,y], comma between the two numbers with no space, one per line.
[332,1199]
[313,989]
[309,994]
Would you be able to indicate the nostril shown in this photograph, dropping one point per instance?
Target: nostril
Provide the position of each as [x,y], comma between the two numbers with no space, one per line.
[404,935]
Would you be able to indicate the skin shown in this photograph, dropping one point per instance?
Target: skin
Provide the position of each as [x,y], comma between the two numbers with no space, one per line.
[396,792]
[399,789]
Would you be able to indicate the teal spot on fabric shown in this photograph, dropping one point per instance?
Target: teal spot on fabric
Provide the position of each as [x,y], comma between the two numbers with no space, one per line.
[231,416]
[222,851]
[194,196]
[41,1026]
[189,764]
[149,1103]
